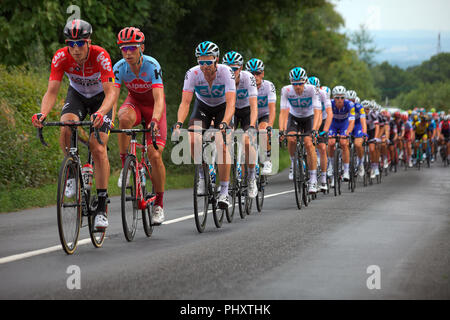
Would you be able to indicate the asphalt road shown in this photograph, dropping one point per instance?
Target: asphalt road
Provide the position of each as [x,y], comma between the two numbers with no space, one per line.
[388,241]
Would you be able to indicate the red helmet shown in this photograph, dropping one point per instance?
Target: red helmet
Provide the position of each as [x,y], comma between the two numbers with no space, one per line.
[130,35]
[397,114]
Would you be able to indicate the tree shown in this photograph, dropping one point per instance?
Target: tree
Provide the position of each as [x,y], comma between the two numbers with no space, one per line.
[363,42]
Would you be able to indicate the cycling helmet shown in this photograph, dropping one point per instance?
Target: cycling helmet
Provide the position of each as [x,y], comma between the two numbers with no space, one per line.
[207,48]
[254,65]
[397,114]
[339,91]
[233,57]
[351,95]
[130,35]
[358,100]
[366,104]
[77,29]
[298,74]
[314,81]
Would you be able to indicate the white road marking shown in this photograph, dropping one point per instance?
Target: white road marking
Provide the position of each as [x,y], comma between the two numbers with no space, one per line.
[33,253]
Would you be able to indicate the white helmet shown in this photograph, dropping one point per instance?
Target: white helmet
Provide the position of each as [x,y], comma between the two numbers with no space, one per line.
[358,100]
[367,104]
[339,91]
[351,95]
[207,48]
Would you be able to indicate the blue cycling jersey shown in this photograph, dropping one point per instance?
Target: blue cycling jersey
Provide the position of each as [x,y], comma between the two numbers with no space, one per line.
[346,113]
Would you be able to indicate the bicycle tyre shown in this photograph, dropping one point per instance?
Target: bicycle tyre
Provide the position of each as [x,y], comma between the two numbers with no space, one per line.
[298,185]
[147,212]
[129,195]
[201,200]
[261,182]
[97,236]
[68,230]
[218,213]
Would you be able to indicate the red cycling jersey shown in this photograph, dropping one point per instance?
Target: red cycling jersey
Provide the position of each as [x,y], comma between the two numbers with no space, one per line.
[88,78]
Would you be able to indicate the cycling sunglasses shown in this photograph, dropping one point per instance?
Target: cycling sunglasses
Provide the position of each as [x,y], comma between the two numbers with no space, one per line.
[256,73]
[130,48]
[72,43]
[206,62]
[234,68]
[297,83]
[337,98]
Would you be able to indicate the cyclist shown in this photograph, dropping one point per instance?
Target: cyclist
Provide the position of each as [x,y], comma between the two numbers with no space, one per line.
[91,91]
[384,136]
[444,134]
[359,131]
[142,76]
[300,105]
[267,98]
[215,91]
[327,117]
[432,132]
[246,112]
[420,129]
[392,138]
[373,129]
[343,124]
[408,138]
[400,127]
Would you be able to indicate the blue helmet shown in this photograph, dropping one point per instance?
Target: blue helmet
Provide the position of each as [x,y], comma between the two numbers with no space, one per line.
[233,57]
[254,65]
[314,81]
[298,75]
[207,48]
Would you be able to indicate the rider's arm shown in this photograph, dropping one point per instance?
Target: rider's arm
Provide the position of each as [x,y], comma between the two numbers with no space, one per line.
[272,113]
[282,120]
[183,110]
[230,98]
[49,99]
[317,119]
[158,109]
[329,119]
[253,110]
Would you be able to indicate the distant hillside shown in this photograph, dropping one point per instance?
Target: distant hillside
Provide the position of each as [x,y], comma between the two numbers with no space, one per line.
[408,48]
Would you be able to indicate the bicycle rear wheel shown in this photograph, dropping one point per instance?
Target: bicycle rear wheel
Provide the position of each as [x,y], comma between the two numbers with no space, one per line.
[261,182]
[201,201]
[128,200]
[233,191]
[352,181]
[68,209]
[337,172]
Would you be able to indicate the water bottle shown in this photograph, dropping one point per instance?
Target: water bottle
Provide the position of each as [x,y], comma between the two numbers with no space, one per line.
[87,173]
[142,172]
[239,170]
[257,169]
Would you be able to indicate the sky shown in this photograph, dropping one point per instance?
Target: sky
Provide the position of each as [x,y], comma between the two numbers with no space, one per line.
[395,14]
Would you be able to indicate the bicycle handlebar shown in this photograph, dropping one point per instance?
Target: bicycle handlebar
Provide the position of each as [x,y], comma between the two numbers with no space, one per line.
[67,124]
[130,132]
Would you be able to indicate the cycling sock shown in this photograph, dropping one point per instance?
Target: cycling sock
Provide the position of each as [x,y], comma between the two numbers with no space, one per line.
[360,161]
[323,177]
[251,173]
[102,196]
[159,199]
[346,165]
[313,175]
[123,156]
[224,187]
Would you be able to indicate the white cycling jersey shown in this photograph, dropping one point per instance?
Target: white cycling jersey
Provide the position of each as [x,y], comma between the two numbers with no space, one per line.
[213,96]
[300,106]
[326,102]
[246,89]
[266,95]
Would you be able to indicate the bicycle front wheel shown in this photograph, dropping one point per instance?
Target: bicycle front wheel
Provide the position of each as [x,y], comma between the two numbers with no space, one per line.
[201,200]
[68,209]
[97,236]
[128,199]
[298,181]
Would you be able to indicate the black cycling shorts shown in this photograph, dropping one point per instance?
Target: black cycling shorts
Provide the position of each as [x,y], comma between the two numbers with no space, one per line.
[81,106]
[242,117]
[206,114]
[301,125]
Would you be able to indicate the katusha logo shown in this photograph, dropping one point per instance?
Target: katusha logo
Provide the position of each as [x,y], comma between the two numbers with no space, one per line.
[139,85]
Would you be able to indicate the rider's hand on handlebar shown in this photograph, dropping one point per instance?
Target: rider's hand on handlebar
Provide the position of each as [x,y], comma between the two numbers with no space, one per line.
[38,119]
[155,126]
[97,119]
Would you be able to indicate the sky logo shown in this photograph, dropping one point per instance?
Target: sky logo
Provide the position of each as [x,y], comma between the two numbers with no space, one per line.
[263,102]
[242,93]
